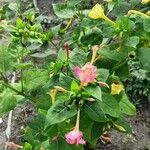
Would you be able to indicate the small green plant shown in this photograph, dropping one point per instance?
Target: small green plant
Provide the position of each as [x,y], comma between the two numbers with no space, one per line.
[137,84]
[79,94]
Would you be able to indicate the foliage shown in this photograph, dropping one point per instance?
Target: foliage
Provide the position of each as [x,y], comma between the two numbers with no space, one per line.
[137,84]
[78,74]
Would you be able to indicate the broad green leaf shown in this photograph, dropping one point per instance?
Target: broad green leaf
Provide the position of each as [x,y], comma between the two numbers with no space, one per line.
[109,105]
[94,112]
[62,11]
[6,60]
[126,106]
[43,102]
[58,113]
[121,8]
[75,87]
[124,124]
[146,24]
[132,41]
[65,81]
[34,79]
[112,54]
[96,131]
[7,102]
[102,74]
[78,59]
[72,3]
[93,37]
[143,55]
[123,71]
[94,91]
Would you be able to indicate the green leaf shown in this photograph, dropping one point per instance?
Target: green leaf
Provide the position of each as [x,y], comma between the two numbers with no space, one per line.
[112,54]
[7,102]
[75,87]
[34,79]
[143,55]
[109,105]
[123,123]
[102,74]
[43,102]
[27,146]
[6,60]
[146,24]
[62,11]
[126,106]
[123,71]
[132,41]
[93,37]
[94,112]
[72,3]
[65,81]
[19,23]
[121,8]
[58,113]
[96,131]
[78,59]
[94,91]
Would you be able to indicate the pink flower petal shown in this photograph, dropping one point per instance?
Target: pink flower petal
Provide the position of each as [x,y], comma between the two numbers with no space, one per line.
[86,74]
[75,137]
[77,71]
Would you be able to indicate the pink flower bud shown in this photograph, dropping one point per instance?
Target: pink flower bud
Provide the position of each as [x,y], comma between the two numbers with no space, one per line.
[86,74]
[66,46]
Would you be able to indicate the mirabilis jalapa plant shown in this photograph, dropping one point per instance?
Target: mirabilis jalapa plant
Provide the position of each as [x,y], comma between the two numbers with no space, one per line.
[80,96]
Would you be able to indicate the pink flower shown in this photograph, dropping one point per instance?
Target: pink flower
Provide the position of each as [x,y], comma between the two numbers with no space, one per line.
[86,74]
[75,136]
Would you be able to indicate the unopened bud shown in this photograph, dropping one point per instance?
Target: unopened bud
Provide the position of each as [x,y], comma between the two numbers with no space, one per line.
[60,89]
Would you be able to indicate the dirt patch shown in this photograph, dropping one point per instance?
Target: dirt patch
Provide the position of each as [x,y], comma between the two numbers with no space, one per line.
[21,115]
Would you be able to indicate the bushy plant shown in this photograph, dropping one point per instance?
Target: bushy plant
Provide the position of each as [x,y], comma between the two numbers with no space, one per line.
[79,95]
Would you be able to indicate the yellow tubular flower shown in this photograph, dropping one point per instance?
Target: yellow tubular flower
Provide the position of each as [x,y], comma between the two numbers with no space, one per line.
[145,1]
[116,88]
[97,12]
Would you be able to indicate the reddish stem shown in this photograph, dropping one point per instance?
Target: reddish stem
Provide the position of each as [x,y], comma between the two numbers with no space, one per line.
[66,46]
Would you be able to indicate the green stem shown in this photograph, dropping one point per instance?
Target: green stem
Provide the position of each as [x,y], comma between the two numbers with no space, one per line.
[21,77]
[15,90]
[109,21]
